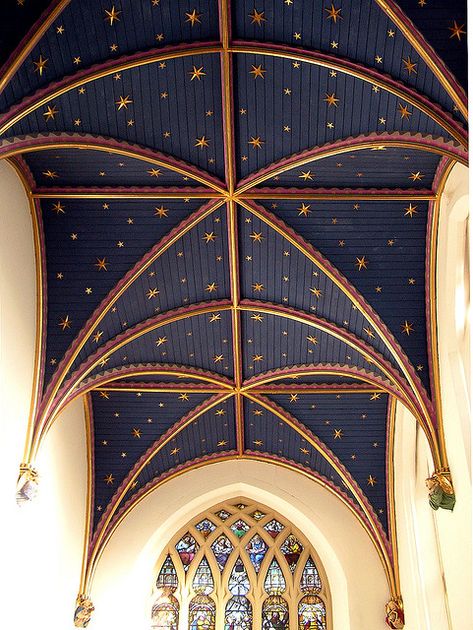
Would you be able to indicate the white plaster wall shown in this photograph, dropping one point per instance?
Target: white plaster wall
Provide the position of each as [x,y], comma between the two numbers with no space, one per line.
[41,543]
[125,574]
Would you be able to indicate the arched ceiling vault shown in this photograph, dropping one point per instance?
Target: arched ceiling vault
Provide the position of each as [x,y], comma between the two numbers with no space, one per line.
[235,209]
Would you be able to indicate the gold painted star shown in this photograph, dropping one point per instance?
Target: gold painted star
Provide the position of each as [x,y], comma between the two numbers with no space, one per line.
[256,143]
[305,175]
[331,99]
[60,29]
[334,14]
[407,327]
[136,433]
[40,65]
[257,17]
[372,480]
[304,209]
[409,66]
[160,341]
[457,31]
[197,73]
[112,15]
[97,336]
[293,398]
[123,102]
[378,289]
[303,450]
[74,236]
[58,208]
[194,17]
[152,293]
[159,37]
[201,142]
[77,61]
[209,237]
[214,317]
[184,396]
[257,412]
[404,111]
[286,128]
[258,442]
[101,264]
[258,71]
[222,443]
[113,47]
[410,211]
[378,59]
[390,33]
[312,339]
[120,244]
[337,434]
[257,237]
[315,291]
[161,212]
[296,64]
[218,358]
[105,395]
[369,332]
[109,479]
[65,322]
[297,36]
[257,358]
[50,113]
[154,172]
[287,91]
[361,263]
[411,280]
[257,287]
[211,287]
[416,176]
[220,412]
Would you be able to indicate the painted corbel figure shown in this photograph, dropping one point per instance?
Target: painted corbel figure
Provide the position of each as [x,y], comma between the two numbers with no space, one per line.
[441,493]
[84,610]
[27,484]
[395,613]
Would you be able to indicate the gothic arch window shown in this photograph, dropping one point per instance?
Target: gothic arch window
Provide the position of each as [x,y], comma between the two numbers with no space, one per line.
[240,566]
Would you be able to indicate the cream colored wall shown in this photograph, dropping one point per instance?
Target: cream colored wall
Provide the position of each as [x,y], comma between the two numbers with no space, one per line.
[41,543]
[125,574]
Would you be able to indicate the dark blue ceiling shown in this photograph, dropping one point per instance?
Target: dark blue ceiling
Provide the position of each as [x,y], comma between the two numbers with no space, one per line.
[134,121]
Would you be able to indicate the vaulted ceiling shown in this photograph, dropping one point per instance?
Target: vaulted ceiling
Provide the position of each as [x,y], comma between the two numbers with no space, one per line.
[235,209]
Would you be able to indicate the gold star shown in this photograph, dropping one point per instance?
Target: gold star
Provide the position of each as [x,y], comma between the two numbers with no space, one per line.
[77,122]
[74,236]
[159,37]
[65,322]
[197,73]
[305,175]
[154,172]
[257,358]
[334,44]
[120,244]
[60,29]
[287,91]
[218,358]
[130,122]
[112,15]
[211,287]
[293,398]
[201,142]
[382,121]
[257,412]
[77,61]
[258,442]
[194,17]
[378,289]
[164,94]
[256,142]
[372,480]
[160,341]
[113,47]
[304,209]
[58,208]
[337,434]
[375,396]
[361,263]
[220,412]
[40,65]
[419,367]
[331,99]
[123,101]
[407,327]
[457,31]
[410,211]
[109,479]
[152,293]
[258,71]
[316,292]
[412,280]
[105,395]
[136,433]
[184,396]
[215,317]
[378,59]
[101,264]
[161,212]
[334,14]
[257,17]
[50,113]
[297,36]
[296,64]
[404,112]
[369,332]
[390,33]
[97,336]
[312,339]
[303,450]
[416,176]
[258,287]
[257,237]
[209,237]
[287,128]
[409,65]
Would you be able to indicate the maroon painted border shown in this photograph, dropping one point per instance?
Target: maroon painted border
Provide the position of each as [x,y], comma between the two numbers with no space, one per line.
[278,190]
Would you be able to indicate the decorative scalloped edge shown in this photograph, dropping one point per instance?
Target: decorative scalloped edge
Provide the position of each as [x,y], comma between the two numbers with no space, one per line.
[403,192]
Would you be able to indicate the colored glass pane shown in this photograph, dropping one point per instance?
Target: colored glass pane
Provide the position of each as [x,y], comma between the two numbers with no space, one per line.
[167,577]
[238,614]
[202,613]
[222,548]
[205,527]
[165,612]
[292,549]
[187,547]
[239,582]
[311,613]
[239,528]
[257,515]
[222,515]
[203,582]
[275,613]
[274,583]
[256,550]
[274,528]
[310,579]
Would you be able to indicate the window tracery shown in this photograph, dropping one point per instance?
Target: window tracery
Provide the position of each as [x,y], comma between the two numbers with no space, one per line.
[240,567]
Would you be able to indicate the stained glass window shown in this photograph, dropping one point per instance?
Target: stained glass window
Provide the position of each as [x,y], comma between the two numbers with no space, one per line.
[239,528]
[236,566]
[222,548]
[310,580]
[167,577]
[312,613]
[202,613]
[292,549]
[238,614]
[203,582]
[275,613]
[256,550]
[187,547]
